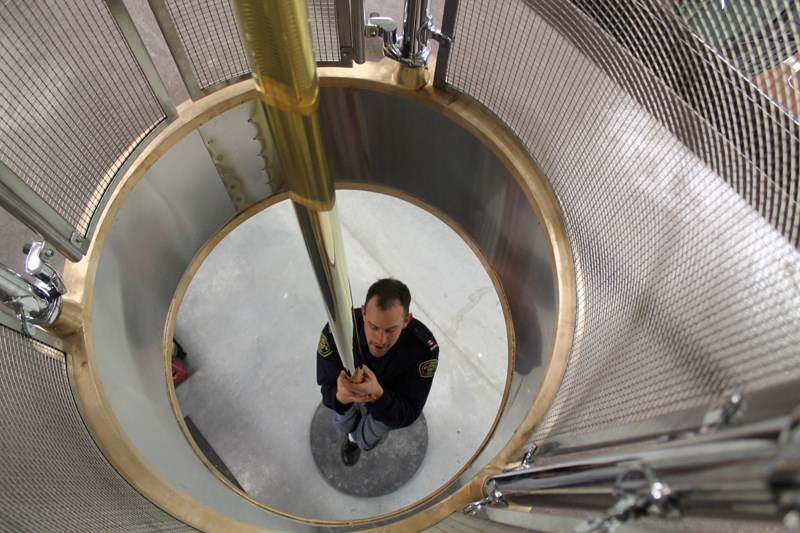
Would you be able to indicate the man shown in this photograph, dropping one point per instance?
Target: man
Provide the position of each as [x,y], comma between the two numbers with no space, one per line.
[388,392]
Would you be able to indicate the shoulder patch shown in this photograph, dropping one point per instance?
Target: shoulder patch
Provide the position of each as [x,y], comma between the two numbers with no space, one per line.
[324,348]
[424,335]
[428,368]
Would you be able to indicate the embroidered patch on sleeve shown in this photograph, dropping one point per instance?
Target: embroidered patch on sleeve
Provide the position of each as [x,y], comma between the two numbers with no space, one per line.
[324,348]
[428,368]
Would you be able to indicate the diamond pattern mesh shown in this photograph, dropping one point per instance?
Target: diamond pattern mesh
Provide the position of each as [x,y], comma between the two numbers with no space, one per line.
[210,35]
[684,291]
[73,104]
[52,476]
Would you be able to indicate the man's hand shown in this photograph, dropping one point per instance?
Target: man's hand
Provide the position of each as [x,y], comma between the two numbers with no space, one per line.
[367,391]
[345,394]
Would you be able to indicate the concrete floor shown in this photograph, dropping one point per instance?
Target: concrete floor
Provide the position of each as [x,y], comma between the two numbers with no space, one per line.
[250,323]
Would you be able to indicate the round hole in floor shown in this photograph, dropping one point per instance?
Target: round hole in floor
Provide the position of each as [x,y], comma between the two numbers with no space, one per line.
[250,322]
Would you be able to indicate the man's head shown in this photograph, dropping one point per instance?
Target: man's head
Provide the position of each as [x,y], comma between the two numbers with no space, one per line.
[386,314]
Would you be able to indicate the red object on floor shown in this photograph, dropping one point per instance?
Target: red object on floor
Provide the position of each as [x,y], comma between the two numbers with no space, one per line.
[179,372]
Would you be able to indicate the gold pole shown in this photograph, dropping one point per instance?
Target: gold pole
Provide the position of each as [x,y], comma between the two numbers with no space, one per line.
[277,37]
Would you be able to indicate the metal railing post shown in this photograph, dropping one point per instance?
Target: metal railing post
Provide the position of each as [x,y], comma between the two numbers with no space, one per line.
[176,48]
[357,22]
[443,56]
[346,32]
[131,34]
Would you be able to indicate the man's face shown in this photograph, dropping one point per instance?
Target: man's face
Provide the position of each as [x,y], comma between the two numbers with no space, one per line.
[382,327]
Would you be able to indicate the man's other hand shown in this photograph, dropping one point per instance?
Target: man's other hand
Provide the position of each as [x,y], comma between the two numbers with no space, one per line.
[346,393]
[368,390]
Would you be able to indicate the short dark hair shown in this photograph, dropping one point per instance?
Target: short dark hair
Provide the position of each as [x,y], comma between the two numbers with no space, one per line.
[388,291]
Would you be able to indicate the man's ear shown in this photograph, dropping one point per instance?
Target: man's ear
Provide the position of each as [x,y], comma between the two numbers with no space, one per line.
[363,311]
[409,316]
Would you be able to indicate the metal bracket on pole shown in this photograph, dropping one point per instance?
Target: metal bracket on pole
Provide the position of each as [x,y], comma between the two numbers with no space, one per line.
[38,302]
[723,413]
[528,458]
[641,494]
[411,48]
[494,497]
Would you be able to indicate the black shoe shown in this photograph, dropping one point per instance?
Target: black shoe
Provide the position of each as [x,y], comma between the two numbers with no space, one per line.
[350,452]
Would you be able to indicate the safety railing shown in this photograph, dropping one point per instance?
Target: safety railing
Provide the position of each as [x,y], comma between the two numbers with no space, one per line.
[75,106]
[668,154]
[667,480]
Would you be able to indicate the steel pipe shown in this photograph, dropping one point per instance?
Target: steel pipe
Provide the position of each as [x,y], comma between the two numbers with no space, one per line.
[416,31]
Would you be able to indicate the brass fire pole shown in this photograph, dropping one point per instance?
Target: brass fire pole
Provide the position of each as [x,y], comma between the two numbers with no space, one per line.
[277,37]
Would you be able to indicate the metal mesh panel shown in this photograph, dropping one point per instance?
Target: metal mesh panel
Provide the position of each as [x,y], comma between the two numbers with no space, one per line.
[748,136]
[52,476]
[684,291]
[72,103]
[322,15]
[210,35]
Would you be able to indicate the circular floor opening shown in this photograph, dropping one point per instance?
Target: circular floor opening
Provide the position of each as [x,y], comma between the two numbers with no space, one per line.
[250,323]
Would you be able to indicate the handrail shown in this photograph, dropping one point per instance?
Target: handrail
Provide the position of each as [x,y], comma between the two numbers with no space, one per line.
[663,479]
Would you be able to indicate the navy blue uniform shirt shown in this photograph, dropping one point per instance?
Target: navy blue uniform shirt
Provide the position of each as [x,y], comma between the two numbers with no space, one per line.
[405,372]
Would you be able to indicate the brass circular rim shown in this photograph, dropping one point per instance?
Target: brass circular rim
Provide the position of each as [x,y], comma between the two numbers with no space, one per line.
[379,77]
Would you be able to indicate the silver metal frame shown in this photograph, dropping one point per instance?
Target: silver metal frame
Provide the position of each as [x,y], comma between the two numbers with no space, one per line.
[759,405]
[357,18]
[347,34]
[19,199]
[139,50]
[176,48]
[695,471]
[443,56]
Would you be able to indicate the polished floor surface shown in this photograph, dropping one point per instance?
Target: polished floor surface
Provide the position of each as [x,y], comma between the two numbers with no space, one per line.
[250,322]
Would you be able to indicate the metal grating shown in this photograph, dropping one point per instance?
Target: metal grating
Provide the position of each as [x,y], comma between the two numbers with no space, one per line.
[684,291]
[322,16]
[210,35]
[730,68]
[73,104]
[52,476]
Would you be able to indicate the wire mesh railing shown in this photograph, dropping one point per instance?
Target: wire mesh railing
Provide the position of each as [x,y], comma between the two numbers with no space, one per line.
[667,161]
[73,105]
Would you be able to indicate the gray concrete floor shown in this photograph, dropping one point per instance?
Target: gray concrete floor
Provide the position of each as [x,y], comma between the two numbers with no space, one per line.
[250,322]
